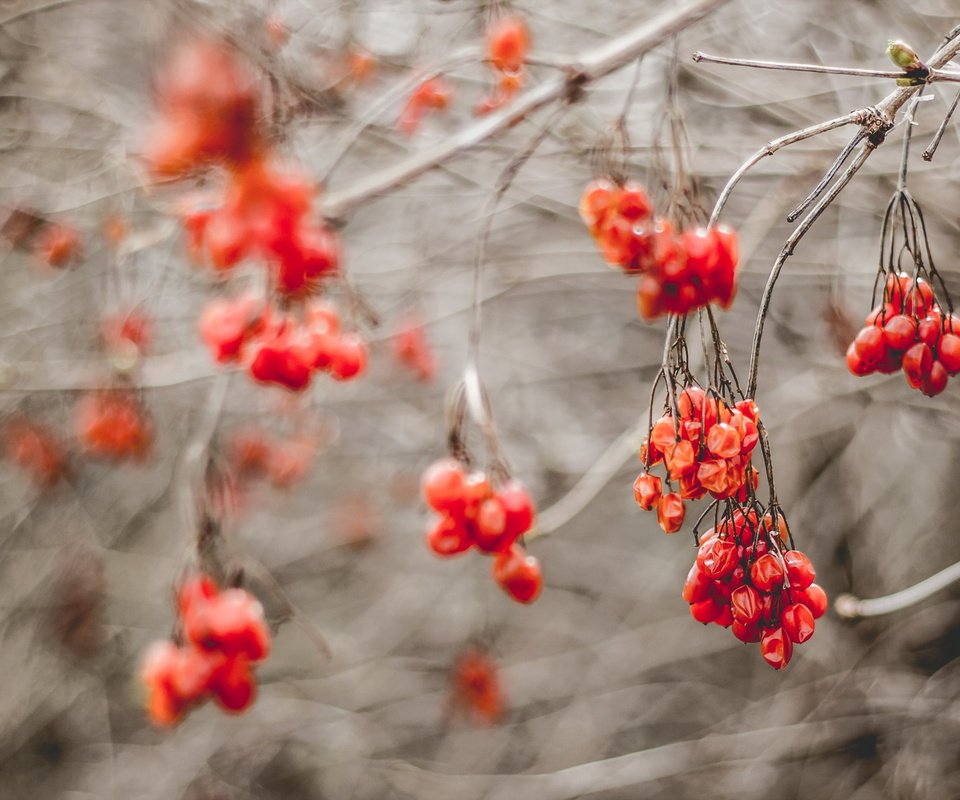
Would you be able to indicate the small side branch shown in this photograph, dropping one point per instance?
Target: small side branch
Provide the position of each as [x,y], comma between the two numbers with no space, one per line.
[850,607]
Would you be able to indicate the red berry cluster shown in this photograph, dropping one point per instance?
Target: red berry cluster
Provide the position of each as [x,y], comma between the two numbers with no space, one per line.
[474,514]
[113,424]
[679,272]
[279,348]
[707,449]
[508,41]
[263,212]
[224,635]
[742,579]
[908,331]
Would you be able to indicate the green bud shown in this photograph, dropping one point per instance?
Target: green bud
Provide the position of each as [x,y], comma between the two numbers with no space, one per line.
[903,55]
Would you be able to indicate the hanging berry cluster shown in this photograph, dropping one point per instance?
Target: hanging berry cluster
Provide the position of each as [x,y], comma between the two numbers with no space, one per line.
[908,329]
[223,635]
[113,424]
[745,578]
[474,514]
[210,110]
[706,450]
[679,272]
[280,348]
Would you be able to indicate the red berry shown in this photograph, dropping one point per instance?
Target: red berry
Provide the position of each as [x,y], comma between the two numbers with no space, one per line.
[900,331]
[507,42]
[936,381]
[717,557]
[748,632]
[518,506]
[800,569]
[855,364]
[745,604]
[870,346]
[767,573]
[948,353]
[917,363]
[776,647]
[349,357]
[233,685]
[670,512]
[797,622]
[490,526]
[449,537]
[444,486]
[518,574]
[696,587]
[814,598]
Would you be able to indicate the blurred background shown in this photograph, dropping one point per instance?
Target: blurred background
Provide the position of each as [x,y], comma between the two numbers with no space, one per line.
[603,688]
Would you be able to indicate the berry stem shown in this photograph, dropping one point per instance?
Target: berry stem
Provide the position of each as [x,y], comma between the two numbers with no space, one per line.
[851,607]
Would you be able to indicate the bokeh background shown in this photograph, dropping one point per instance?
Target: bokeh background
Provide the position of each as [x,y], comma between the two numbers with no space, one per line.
[610,690]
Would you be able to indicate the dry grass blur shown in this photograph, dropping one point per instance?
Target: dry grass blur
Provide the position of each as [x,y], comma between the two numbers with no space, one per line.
[611,690]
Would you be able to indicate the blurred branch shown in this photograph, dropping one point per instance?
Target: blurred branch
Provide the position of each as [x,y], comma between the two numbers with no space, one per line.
[934,75]
[851,607]
[578,73]
[591,483]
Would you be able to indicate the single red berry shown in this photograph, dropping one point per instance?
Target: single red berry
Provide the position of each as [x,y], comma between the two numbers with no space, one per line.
[518,506]
[917,363]
[233,685]
[670,512]
[696,588]
[444,486]
[706,611]
[717,557]
[870,346]
[507,42]
[767,573]
[349,357]
[900,331]
[776,647]
[948,353]
[747,632]
[518,573]
[449,537]
[855,364]
[800,569]
[797,622]
[490,526]
[936,381]
[745,604]
[814,598]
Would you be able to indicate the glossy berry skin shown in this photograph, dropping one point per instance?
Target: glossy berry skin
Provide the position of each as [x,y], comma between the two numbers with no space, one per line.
[647,489]
[917,363]
[936,381]
[518,574]
[948,353]
[797,621]
[767,573]
[814,598]
[449,537]
[776,648]
[745,604]
[800,571]
[349,357]
[900,332]
[444,486]
[518,506]
[670,512]
[717,557]
[233,685]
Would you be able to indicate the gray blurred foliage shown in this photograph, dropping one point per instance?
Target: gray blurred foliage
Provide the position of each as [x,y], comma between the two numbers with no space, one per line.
[613,691]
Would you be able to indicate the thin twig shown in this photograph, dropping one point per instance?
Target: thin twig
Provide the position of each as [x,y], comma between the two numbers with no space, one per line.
[933,76]
[578,73]
[935,143]
[865,151]
[850,607]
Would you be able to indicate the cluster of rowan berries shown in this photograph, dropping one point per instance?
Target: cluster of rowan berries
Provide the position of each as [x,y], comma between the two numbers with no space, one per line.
[473,514]
[224,635]
[908,331]
[744,579]
[679,272]
[706,449]
[114,425]
[508,41]
[278,348]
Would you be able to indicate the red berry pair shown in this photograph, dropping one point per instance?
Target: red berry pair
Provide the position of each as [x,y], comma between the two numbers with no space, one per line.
[761,592]
[224,634]
[908,331]
[474,514]
[707,450]
[679,272]
[508,41]
[280,349]
[112,424]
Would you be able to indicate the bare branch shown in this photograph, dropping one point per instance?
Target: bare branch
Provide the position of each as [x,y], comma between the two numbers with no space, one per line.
[850,607]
